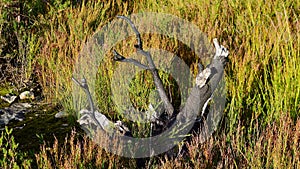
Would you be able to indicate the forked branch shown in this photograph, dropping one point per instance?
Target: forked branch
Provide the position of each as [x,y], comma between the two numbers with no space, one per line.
[120,58]
[151,66]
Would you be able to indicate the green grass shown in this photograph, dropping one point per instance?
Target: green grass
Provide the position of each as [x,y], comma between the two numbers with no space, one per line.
[11,157]
[261,119]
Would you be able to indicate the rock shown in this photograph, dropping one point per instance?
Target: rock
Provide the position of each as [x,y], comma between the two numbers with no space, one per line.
[8,115]
[20,106]
[4,117]
[26,95]
[61,114]
[8,98]
[16,111]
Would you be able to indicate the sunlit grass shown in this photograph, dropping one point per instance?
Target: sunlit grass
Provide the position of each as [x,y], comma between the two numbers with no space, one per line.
[261,119]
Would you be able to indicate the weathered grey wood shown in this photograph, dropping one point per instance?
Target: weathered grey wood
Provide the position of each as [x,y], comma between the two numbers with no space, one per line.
[151,66]
[92,120]
[120,58]
[206,83]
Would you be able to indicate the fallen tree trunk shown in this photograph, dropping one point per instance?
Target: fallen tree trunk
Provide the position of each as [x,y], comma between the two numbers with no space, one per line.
[207,80]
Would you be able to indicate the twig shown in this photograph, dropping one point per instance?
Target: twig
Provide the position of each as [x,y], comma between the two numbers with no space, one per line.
[120,58]
[137,33]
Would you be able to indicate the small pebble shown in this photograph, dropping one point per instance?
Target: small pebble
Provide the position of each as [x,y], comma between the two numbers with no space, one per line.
[26,95]
[61,114]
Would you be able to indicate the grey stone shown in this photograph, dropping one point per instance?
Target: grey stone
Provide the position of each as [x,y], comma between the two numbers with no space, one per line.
[26,95]
[61,114]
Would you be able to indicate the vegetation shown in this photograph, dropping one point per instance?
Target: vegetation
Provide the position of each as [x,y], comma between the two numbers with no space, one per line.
[261,125]
[10,156]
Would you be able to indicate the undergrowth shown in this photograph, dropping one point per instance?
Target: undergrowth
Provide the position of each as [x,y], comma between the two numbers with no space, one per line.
[261,124]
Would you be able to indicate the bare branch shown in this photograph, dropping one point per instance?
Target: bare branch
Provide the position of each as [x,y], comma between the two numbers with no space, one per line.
[137,33]
[120,58]
[218,64]
[85,87]
[95,119]
[151,66]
